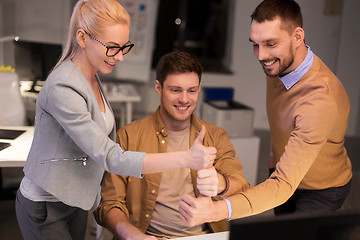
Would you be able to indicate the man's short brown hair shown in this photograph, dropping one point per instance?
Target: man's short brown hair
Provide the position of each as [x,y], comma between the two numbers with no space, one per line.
[177,62]
[288,11]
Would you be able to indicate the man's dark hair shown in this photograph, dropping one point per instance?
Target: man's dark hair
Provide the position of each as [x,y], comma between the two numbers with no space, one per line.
[288,11]
[177,62]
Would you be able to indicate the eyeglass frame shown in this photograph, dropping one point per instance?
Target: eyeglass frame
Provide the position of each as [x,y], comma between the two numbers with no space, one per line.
[121,49]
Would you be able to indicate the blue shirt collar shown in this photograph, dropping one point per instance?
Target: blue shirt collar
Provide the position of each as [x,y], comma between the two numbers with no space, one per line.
[293,77]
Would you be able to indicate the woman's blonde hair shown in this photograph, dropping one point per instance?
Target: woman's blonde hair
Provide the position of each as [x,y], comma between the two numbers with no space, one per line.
[92,16]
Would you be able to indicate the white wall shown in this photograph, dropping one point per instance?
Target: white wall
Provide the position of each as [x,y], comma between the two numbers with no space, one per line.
[37,21]
[347,68]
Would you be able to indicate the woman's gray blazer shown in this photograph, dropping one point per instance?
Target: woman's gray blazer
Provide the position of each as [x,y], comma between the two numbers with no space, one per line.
[68,125]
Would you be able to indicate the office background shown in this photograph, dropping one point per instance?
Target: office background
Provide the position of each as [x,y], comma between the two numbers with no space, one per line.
[332,32]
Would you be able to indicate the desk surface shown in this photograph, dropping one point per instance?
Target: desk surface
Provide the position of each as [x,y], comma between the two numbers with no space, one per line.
[210,236]
[16,154]
[122,92]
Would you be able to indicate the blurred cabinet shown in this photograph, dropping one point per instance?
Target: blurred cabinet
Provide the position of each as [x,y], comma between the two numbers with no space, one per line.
[36,20]
[247,150]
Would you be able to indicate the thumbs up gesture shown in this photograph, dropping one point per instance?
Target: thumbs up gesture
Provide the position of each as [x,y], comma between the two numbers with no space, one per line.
[199,156]
[207,182]
[195,211]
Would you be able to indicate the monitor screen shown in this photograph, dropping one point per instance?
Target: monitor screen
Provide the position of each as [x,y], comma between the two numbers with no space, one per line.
[342,225]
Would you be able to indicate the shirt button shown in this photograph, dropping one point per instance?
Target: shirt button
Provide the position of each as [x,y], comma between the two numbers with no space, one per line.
[153,191]
[162,141]
[146,215]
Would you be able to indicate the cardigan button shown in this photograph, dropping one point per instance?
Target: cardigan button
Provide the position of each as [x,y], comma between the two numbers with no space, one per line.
[153,191]
[162,141]
[146,215]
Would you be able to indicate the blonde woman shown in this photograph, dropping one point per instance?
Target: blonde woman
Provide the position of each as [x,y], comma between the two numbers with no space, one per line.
[75,130]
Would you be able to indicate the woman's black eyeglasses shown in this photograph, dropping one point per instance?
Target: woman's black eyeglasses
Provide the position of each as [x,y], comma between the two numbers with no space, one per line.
[113,50]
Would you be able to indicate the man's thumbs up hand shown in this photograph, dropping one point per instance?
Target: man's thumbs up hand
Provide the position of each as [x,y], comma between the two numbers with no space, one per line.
[200,157]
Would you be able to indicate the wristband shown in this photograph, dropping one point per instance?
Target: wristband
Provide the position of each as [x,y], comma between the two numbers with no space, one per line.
[229,208]
[227,185]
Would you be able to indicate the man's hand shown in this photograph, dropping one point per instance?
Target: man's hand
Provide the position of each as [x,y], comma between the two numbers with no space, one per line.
[200,157]
[195,211]
[207,182]
[197,157]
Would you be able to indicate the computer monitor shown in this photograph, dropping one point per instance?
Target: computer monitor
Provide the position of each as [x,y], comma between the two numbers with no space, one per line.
[342,225]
